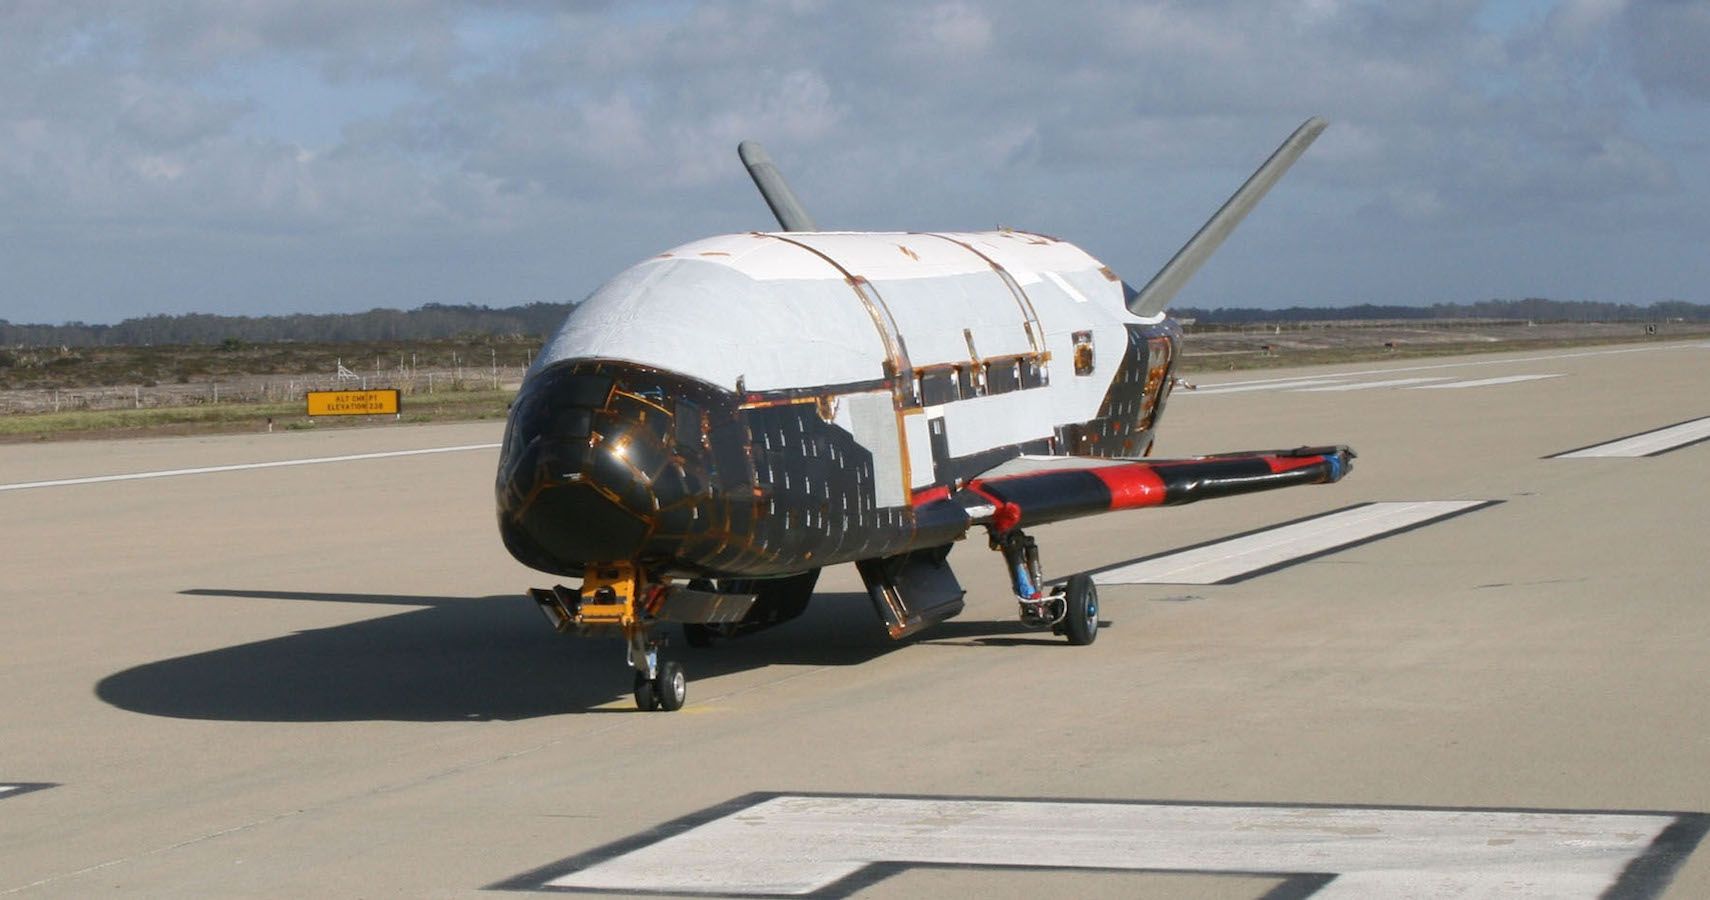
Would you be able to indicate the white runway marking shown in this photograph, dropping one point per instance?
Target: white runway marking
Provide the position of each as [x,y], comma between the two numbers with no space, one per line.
[1483,382]
[1364,385]
[1267,386]
[203,470]
[1651,443]
[1219,387]
[1242,556]
[793,845]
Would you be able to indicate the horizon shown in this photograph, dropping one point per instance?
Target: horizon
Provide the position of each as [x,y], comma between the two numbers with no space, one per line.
[1174,312]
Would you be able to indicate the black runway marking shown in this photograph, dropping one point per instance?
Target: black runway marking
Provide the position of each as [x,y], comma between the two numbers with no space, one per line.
[9,790]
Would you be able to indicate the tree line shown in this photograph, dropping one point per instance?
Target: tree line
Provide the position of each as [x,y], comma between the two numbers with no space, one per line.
[1534,309]
[431,322]
[538,320]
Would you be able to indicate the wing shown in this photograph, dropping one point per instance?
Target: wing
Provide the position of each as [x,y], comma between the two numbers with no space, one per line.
[1036,490]
[1158,292]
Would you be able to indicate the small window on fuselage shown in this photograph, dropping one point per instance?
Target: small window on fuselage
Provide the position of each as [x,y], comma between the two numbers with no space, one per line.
[938,386]
[1001,377]
[1083,353]
[1032,373]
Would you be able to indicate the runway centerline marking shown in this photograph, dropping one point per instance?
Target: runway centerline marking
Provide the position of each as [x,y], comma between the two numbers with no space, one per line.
[1484,382]
[769,845]
[239,467]
[1648,443]
[1243,556]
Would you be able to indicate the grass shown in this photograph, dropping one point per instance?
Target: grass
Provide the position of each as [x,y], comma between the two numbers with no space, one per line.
[459,406]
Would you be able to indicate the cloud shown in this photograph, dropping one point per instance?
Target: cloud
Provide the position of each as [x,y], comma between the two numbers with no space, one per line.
[546,145]
[959,31]
[1667,41]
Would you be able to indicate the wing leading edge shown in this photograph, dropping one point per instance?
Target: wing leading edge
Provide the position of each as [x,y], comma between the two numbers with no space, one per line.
[1038,491]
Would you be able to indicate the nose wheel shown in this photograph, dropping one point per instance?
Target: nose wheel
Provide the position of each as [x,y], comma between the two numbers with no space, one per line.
[657,685]
[666,690]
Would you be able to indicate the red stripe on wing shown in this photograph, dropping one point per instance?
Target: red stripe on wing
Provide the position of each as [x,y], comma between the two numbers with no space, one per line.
[1131,486]
[1290,463]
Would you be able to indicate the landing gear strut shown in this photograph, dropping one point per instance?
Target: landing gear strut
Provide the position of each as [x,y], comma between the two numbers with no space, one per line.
[1069,609]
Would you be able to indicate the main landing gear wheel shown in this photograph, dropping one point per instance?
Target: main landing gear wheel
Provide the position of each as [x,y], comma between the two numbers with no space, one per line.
[1080,620]
[667,691]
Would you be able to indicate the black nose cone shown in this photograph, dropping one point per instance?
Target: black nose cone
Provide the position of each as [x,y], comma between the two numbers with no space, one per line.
[561,489]
[603,462]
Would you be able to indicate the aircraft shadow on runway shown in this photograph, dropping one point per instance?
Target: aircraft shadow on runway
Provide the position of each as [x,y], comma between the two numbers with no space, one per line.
[462,658]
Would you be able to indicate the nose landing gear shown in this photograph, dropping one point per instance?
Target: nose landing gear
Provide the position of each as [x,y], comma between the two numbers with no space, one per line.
[620,599]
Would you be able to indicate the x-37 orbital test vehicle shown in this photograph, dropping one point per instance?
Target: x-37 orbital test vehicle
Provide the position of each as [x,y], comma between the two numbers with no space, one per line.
[715,425]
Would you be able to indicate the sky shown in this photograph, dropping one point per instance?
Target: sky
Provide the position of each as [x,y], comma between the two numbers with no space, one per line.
[277,156]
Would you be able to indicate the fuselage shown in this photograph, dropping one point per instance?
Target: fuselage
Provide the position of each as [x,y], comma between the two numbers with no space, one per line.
[760,404]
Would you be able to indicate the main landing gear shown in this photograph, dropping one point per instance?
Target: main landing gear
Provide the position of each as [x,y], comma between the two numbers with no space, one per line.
[1069,608]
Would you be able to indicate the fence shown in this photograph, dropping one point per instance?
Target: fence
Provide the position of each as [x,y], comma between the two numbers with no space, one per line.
[256,389]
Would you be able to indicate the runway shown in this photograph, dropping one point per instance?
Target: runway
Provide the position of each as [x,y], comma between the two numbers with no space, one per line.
[302,664]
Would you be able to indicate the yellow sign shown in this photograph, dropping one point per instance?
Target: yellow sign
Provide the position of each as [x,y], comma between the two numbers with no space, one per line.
[353,403]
